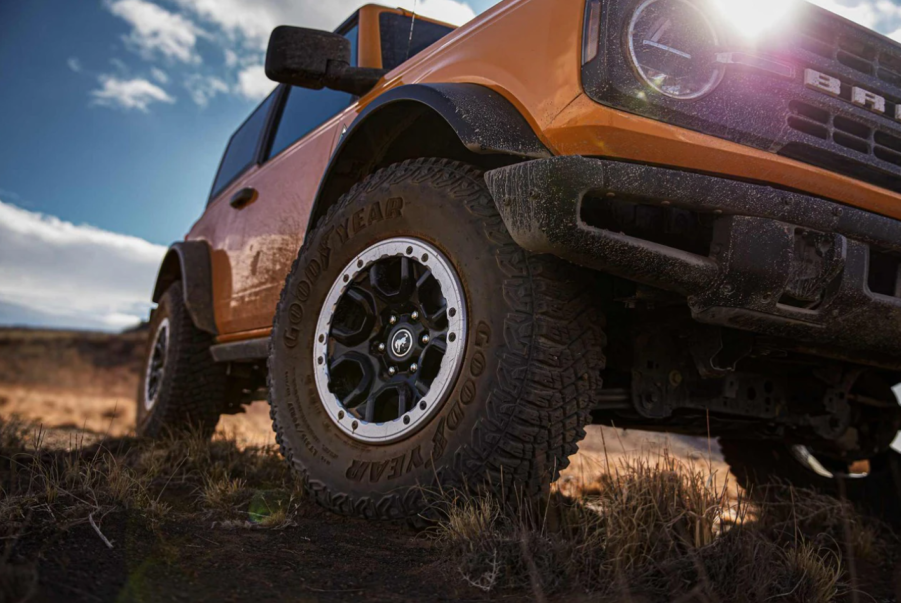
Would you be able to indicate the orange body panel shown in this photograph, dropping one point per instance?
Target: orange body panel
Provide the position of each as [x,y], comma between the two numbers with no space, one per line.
[529,51]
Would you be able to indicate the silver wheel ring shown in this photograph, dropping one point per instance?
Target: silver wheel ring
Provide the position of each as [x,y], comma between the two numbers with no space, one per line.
[451,289]
[163,328]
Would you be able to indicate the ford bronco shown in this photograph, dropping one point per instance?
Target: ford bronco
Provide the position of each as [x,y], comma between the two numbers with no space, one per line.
[444,252]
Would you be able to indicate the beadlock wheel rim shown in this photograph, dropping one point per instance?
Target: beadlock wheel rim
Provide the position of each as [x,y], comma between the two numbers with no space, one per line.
[156,365]
[424,344]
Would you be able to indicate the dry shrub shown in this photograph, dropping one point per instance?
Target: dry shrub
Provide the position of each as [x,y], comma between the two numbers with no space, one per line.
[45,488]
[14,433]
[656,530]
[787,510]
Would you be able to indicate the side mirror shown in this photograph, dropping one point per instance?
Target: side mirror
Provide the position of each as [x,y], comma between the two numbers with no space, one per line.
[315,59]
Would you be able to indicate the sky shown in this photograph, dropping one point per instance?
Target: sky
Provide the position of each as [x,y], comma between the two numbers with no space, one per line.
[113,118]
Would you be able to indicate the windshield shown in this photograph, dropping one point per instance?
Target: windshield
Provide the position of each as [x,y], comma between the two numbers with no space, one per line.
[397,43]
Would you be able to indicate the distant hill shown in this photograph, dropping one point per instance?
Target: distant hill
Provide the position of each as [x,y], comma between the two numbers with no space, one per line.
[87,361]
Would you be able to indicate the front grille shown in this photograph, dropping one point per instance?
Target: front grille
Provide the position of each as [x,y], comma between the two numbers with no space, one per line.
[774,113]
[822,36]
[880,147]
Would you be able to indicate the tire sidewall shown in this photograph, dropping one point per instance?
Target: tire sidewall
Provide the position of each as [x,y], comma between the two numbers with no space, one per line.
[451,210]
[150,422]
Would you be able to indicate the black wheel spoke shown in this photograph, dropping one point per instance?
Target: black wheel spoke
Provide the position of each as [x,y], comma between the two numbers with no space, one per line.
[369,417]
[439,345]
[426,275]
[422,387]
[437,315]
[393,281]
[156,364]
[352,376]
[355,317]
[403,400]
[407,278]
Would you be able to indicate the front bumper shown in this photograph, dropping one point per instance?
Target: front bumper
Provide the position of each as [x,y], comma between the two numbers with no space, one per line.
[768,248]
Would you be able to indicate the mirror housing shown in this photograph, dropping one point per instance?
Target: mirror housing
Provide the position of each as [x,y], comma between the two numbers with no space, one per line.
[315,59]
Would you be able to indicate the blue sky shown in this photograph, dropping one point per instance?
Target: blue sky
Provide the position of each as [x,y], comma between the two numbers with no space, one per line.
[113,117]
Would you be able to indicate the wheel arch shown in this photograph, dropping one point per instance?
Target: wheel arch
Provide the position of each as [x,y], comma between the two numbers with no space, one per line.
[463,122]
[189,262]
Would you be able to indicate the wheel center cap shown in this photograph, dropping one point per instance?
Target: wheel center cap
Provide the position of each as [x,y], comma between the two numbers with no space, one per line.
[402,343]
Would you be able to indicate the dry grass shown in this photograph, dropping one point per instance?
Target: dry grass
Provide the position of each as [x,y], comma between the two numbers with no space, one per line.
[659,530]
[58,488]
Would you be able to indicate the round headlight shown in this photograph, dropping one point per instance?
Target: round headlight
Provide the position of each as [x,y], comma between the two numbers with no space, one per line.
[672,45]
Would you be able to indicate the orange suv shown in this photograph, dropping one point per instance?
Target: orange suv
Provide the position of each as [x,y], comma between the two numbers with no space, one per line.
[444,252]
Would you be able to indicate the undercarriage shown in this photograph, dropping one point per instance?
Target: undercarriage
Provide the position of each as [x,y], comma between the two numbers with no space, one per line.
[667,372]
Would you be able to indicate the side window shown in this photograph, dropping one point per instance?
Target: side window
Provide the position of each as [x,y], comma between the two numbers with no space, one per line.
[242,148]
[402,39]
[306,109]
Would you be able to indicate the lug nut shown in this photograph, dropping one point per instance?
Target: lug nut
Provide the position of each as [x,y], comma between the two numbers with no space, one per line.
[414,315]
[392,320]
[392,371]
[425,338]
[381,347]
[414,367]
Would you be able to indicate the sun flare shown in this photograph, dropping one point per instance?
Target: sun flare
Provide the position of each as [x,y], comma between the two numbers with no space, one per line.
[752,18]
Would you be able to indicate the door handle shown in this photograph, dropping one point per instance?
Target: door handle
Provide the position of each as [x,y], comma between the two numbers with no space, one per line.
[243,197]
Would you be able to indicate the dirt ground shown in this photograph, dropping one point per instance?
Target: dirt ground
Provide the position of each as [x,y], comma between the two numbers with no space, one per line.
[78,390]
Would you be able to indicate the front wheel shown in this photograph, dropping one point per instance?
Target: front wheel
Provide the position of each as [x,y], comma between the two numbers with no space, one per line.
[417,346]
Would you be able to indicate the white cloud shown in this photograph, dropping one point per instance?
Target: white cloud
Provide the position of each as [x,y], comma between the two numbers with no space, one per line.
[240,28]
[134,93]
[159,75]
[253,83]
[881,15]
[203,88]
[156,30]
[74,64]
[254,20]
[76,274]
[231,57]
[120,66]
[449,11]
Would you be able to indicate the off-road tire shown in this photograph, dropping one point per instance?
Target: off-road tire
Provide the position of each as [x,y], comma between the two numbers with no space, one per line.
[193,385]
[530,372]
[761,464]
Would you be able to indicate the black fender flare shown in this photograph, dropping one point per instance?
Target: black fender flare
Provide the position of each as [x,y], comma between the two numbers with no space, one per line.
[189,262]
[484,121]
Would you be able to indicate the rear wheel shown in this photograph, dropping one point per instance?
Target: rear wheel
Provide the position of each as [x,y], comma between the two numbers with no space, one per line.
[416,345]
[181,387]
[875,486]
[862,465]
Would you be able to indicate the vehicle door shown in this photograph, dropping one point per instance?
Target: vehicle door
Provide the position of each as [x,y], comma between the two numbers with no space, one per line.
[278,194]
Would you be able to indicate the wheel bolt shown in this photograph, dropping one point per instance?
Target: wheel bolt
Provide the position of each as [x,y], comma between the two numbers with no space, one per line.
[392,320]
[392,371]
[414,367]
[381,347]
[425,338]
[414,315]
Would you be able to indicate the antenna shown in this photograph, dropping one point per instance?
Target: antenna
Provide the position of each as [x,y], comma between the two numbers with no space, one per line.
[412,24]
